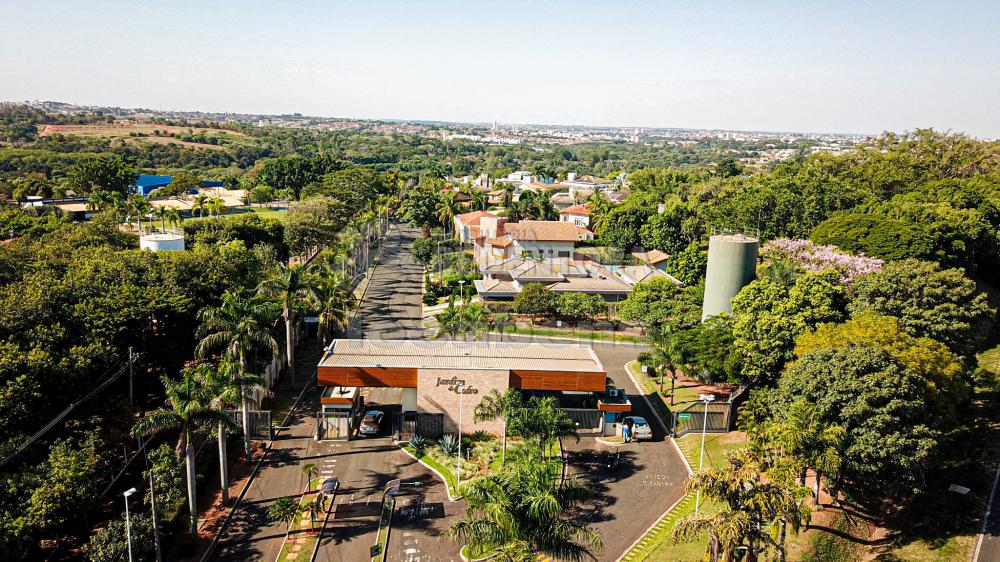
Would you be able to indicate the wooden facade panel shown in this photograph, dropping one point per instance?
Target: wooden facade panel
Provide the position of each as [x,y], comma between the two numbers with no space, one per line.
[364,376]
[614,407]
[557,380]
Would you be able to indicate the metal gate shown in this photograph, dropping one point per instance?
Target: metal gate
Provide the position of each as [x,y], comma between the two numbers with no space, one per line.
[588,421]
[407,424]
[692,419]
[260,423]
[334,425]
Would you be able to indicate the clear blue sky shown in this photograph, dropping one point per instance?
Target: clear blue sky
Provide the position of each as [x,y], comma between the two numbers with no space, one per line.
[838,66]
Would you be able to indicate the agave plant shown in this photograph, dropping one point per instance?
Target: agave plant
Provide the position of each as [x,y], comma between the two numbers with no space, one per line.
[449,444]
[419,444]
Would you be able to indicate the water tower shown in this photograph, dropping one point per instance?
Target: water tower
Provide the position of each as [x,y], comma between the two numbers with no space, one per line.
[732,265]
[164,241]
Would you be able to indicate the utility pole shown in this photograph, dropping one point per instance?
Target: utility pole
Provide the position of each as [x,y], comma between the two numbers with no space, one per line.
[461,395]
[152,511]
[707,399]
[130,376]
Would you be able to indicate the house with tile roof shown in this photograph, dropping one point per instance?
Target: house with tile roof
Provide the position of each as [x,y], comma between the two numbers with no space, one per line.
[577,214]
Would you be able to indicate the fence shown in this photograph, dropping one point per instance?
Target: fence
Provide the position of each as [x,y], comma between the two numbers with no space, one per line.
[407,424]
[588,421]
[692,418]
[260,423]
[334,425]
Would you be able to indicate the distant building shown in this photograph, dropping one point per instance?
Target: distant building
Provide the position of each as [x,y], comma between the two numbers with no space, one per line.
[652,258]
[577,214]
[470,226]
[146,183]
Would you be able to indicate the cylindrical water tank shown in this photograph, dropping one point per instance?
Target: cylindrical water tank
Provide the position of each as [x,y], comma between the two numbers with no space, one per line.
[164,241]
[732,265]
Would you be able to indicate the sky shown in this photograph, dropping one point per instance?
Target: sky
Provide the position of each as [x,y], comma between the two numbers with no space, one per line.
[806,66]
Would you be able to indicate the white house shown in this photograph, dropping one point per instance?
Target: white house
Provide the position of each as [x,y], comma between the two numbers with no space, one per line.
[470,226]
[544,240]
[577,214]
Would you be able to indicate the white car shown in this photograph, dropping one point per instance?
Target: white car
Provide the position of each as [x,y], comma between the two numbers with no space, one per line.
[371,424]
[640,428]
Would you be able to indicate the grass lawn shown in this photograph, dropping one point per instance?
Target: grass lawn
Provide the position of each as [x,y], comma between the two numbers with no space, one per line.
[716,447]
[573,333]
[447,473]
[259,211]
[303,531]
[384,524]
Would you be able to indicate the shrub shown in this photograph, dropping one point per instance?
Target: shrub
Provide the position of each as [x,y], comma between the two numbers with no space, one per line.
[423,249]
[430,297]
[449,444]
[419,444]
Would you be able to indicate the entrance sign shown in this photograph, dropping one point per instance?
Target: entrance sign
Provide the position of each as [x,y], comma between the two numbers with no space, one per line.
[456,385]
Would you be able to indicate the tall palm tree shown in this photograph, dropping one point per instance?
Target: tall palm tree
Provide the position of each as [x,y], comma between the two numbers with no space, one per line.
[334,298]
[751,510]
[188,404]
[500,406]
[667,355]
[239,328]
[805,437]
[137,206]
[312,508]
[447,208]
[228,386]
[309,470]
[216,206]
[501,321]
[289,285]
[522,511]
[160,213]
[97,201]
[199,204]
[174,217]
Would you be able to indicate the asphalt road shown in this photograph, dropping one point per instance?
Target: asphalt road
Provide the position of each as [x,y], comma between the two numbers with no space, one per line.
[391,308]
[988,544]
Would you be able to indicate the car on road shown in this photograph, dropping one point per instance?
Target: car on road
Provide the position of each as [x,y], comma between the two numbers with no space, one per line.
[640,428]
[371,423]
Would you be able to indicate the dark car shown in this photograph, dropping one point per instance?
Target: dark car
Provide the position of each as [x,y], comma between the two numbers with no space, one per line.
[371,424]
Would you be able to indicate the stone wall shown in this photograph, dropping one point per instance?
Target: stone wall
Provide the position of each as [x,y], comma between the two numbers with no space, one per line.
[436,393]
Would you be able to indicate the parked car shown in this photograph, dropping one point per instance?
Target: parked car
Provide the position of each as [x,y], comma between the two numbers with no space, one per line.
[640,428]
[371,423]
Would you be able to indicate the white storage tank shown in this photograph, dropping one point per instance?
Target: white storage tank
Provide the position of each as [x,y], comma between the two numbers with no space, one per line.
[732,265]
[162,241]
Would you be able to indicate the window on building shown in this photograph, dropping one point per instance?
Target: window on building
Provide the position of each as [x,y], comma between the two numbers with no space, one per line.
[563,254]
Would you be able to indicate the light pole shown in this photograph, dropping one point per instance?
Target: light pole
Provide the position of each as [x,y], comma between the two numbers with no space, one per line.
[128,524]
[707,399]
[461,398]
[461,289]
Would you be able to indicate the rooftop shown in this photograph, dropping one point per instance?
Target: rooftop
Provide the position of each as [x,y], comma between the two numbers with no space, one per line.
[548,231]
[583,209]
[652,256]
[473,218]
[441,354]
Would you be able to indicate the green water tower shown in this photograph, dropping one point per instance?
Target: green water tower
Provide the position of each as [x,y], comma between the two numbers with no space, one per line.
[732,265]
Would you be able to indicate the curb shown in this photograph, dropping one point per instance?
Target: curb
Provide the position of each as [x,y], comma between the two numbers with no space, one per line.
[651,528]
[447,489]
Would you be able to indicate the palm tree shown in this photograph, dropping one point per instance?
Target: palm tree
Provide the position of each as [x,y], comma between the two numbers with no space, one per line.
[751,509]
[188,404]
[334,298]
[805,437]
[447,208]
[288,286]
[283,509]
[501,321]
[500,406]
[543,421]
[313,509]
[199,204]
[175,217]
[522,511]
[160,213]
[138,206]
[228,386]
[310,471]
[216,206]
[667,355]
[97,201]
[238,327]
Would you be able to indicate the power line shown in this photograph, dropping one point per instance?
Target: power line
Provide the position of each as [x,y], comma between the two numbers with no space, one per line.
[52,423]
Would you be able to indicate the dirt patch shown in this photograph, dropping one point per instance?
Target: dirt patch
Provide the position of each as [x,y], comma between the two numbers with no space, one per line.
[123,130]
[169,140]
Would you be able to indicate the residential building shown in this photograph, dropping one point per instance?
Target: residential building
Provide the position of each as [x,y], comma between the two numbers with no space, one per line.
[470,226]
[652,258]
[577,214]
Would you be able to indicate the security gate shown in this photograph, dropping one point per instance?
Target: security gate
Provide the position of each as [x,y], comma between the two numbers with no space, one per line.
[336,424]
[588,421]
[692,419]
[407,424]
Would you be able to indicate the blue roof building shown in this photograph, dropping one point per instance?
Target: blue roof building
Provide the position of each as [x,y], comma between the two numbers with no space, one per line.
[146,183]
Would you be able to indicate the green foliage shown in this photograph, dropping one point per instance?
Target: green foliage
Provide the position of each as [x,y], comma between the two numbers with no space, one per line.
[768,316]
[67,492]
[665,231]
[650,303]
[251,228]
[168,479]
[882,407]
[284,510]
[873,236]
[314,223]
[578,306]
[420,203]
[689,265]
[113,174]
[356,187]
[706,350]
[111,543]
[535,299]
[941,304]
[622,225]
[423,249]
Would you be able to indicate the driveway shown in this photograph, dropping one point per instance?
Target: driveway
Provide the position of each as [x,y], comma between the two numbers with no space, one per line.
[391,308]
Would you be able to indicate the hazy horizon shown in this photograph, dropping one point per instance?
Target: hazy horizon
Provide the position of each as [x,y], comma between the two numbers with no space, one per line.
[846,67]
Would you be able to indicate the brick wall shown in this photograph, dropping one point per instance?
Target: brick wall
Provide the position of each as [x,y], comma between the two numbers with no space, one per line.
[433,397]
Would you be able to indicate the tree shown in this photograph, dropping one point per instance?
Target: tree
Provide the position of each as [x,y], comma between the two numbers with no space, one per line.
[650,303]
[187,401]
[543,421]
[227,386]
[447,208]
[334,298]
[111,173]
[534,299]
[577,306]
[309,470]
[199,204]
[423,249]
[284,509]
[420,203]
[239,328]
[501,321]
[728,167]
[806,438]
[288,287]
[706,350]
[311,508]
[751,508]
[873,236]
[111,543]
[522,511]
[68,488]
[941,304]
[689,265]
[500,406]
[882,408]
[767,317]
[664,231]
[314,223]
[168,475]
[621,226]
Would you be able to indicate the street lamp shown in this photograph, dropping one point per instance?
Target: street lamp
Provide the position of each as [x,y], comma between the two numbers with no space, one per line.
[128,524]
[707,399]
[461,396]
[461,289]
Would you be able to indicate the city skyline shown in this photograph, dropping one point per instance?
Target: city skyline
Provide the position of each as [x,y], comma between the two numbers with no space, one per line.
[846,68]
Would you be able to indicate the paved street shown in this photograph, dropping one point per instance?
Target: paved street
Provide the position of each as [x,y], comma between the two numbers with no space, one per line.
[392,308]
[988,544]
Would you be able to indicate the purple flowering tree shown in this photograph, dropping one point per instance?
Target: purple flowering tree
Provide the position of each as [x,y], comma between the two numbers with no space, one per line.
[814,257]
